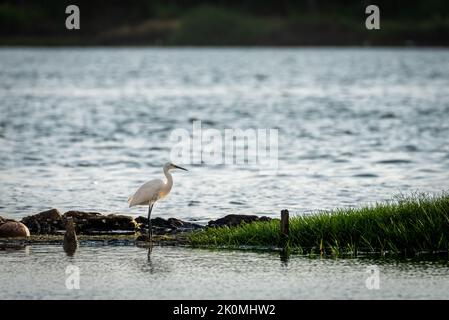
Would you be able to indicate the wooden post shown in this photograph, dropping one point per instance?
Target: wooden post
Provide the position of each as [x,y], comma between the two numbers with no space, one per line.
[284,226]
[285,251]
[284,223]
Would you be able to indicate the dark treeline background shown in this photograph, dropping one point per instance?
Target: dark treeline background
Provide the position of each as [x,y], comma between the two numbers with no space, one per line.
[224,22]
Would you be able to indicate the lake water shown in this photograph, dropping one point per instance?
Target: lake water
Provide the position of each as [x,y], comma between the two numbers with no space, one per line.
[82,128]
[125,272]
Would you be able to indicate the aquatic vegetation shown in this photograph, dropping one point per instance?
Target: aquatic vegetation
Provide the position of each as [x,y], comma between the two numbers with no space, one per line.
[418,223]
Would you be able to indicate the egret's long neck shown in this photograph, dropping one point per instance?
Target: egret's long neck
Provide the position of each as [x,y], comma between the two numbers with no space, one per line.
[169,182]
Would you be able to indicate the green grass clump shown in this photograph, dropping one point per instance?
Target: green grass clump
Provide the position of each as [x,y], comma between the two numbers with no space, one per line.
[405,225]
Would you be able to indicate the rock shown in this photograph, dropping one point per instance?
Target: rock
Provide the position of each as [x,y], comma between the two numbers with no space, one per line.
[2,221]
[175,223]
[95,222]
[143,237]
[155,222]
[81,216]
[232,220]
[187,226]
[46,222]
[11,229]
[171,225]
[161,223]
[265,219]
[141,220]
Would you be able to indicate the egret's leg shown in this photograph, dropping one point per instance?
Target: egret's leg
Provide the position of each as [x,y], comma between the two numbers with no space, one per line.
[150,229]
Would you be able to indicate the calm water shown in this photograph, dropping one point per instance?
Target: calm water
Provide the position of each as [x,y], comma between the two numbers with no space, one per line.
[180,273]
[83,128]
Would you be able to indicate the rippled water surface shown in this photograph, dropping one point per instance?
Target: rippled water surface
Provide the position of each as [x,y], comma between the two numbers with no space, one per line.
[181,273]
[83,128]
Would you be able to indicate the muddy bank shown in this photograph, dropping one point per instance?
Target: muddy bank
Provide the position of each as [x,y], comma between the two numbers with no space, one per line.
[86,240]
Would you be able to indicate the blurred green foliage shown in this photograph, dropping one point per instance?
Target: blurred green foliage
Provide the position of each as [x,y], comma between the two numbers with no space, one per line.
[225,22]
[208,25]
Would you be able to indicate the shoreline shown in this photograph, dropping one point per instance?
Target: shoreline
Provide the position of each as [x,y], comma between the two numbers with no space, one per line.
[183,241]
[106,240]
[48,227]
[69,45]
[408,226]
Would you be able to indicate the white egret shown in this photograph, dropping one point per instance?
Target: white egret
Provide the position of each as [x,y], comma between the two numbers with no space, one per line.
[153,191]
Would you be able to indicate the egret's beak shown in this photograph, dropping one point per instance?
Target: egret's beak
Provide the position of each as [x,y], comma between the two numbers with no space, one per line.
[177,167]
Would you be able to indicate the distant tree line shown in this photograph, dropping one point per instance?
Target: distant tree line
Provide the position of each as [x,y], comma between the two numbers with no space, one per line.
[265,22]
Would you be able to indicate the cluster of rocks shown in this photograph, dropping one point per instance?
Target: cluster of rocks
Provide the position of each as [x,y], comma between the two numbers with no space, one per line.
[53,222]
[91,223]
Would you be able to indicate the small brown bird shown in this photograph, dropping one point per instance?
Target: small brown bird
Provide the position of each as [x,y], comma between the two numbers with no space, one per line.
[70,240]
